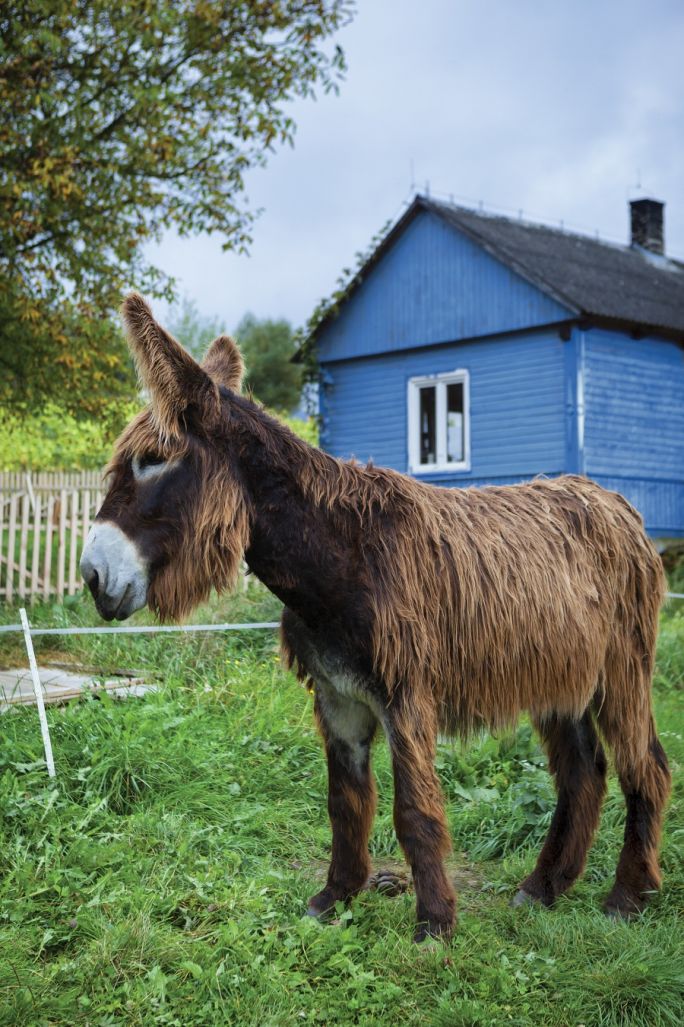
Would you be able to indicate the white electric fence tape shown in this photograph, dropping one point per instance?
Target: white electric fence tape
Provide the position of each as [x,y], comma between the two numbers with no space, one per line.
[37,688]
[152,629]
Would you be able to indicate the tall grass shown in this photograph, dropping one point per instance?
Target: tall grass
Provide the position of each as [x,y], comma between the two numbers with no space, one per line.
[162,878]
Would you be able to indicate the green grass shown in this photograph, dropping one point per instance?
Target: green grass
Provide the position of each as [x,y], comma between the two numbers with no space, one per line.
[162,879]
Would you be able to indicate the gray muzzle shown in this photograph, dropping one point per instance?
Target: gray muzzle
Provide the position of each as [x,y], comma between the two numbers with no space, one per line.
[114,571]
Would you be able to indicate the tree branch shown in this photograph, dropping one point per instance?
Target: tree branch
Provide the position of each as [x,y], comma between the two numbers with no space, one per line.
[119,119]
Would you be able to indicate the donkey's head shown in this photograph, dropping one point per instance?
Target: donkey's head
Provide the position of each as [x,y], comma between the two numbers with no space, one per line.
[174,521]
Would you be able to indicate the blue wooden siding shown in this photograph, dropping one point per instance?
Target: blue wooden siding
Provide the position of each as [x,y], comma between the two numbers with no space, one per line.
[433,285]
[634,423]
[517,409]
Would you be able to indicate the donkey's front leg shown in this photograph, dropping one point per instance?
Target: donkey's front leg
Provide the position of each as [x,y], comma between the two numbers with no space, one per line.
[347,727]
[419,815]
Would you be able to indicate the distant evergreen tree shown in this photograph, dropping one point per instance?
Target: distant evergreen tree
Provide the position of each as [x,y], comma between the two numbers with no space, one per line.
[267,347]
[193,329]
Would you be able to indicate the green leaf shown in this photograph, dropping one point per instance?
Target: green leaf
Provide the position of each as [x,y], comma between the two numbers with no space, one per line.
[194,969]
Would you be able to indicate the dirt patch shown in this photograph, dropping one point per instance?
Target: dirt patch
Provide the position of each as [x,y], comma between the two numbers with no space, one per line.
[463,876]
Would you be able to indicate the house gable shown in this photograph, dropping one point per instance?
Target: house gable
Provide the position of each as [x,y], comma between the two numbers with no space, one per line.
[433,285]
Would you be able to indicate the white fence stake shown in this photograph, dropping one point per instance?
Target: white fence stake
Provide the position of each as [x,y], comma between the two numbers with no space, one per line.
[37,688]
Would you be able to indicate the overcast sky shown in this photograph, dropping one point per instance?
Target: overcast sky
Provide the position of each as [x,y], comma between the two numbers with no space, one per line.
[558,108]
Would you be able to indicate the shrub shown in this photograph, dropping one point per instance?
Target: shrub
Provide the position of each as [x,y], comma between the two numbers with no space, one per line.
[56,440]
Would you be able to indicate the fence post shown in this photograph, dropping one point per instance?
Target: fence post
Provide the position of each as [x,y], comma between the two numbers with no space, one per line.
[37,688]
[35,556]
[86,515]
[73,542]
[47,557]
[23,544]
[61,544]
[2,528]
[11,540]
[29,489]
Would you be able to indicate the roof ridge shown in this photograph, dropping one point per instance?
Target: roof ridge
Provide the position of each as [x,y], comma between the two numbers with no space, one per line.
[665,262]
[541,226]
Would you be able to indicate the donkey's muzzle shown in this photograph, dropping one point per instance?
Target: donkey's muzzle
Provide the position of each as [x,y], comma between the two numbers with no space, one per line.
[114,571]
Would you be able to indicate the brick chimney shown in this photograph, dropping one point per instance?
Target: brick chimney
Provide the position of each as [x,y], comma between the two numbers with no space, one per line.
[647,225]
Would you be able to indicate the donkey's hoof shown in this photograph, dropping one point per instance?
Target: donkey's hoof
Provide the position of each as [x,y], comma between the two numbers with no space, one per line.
[433,930]
[388,883]
[625,905]
[523,898]
[322,906]
[623,912]
[618,915]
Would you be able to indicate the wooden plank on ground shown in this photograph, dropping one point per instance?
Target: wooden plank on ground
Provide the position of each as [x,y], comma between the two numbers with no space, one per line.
[16,687]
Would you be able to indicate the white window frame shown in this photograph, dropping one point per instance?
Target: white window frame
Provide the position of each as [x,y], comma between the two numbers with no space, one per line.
[440,381]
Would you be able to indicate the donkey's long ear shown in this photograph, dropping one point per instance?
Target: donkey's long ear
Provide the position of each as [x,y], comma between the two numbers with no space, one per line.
[174,379]
[223,362]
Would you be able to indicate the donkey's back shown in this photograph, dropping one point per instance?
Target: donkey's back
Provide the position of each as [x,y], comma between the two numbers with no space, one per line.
[550,598]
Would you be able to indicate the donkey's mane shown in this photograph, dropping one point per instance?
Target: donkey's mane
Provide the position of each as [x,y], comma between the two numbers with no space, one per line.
[341,487]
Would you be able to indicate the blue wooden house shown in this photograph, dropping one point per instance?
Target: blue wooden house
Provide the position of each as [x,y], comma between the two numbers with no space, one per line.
[472,349]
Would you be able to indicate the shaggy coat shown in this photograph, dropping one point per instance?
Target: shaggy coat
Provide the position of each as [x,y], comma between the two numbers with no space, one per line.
[411,607]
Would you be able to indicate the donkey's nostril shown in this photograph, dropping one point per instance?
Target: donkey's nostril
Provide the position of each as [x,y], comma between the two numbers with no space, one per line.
[93,582]
[90,575]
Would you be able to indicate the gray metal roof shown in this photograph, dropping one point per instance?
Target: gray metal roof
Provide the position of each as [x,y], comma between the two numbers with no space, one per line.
[590,277]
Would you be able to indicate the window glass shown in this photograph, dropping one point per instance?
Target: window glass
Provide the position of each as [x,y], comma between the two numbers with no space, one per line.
[454,425]
[428,435]
[438,422]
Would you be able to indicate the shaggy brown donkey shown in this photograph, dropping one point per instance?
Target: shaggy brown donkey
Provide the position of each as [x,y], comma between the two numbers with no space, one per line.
[406,606]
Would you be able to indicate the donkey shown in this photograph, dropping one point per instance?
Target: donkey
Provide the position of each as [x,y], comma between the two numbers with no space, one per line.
[409,607]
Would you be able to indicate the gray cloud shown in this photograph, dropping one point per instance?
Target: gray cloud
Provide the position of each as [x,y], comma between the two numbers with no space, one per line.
[552,108]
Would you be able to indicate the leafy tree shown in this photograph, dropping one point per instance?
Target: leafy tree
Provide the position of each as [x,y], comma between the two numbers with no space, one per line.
[65,352]
[52,439]
[268,347]
[119,121]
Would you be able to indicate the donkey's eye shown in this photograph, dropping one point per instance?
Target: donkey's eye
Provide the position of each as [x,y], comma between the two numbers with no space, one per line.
[149,460]
[149,465]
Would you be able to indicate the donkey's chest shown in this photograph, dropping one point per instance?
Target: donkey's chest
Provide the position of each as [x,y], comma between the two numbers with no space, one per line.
[335,676]
[347,697]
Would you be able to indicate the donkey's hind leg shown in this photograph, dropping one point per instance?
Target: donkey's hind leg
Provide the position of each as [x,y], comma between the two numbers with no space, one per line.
[577,761]
[645,780]
[347,727]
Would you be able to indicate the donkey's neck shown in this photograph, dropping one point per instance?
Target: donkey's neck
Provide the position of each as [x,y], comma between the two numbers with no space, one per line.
[301,546]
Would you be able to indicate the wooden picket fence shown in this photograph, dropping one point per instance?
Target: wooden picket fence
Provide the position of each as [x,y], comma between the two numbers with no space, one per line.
[44,520]
[19,481]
